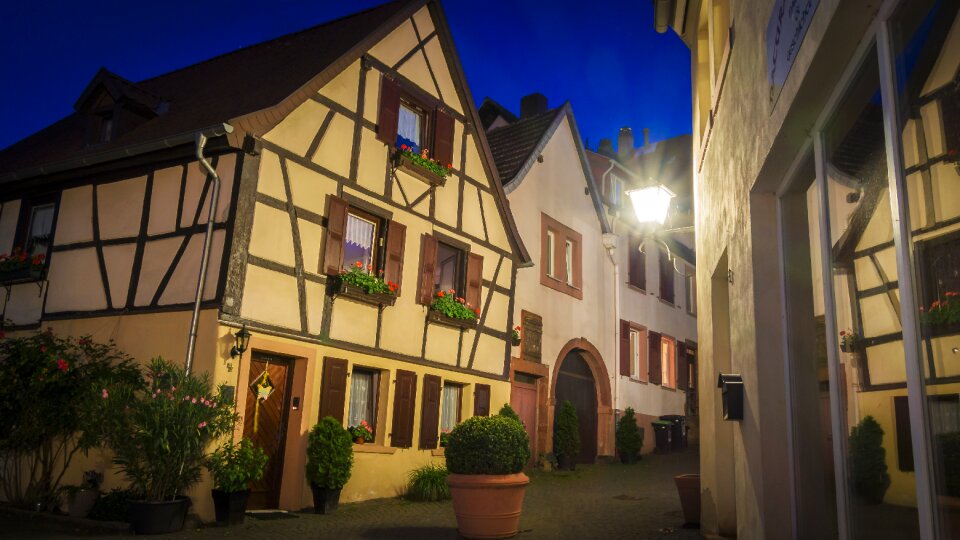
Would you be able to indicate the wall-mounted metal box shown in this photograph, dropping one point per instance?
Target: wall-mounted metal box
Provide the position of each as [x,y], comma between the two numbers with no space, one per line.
[731,394]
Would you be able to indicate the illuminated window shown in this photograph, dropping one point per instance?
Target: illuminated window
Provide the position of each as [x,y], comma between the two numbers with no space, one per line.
[551,241]
[410,127]
[360,240]
[668,362]
[452,401]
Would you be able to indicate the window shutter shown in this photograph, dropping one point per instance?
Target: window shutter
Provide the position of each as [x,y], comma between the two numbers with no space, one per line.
[666,278]
[428,263]
[681,366]
[654,361]
[474,280]
[336,229]
[577,265]
[389,111]
[430,412]
[333,388]
[625,348]
[442,137]
[481,400]
[636,262]
[393,267]
[405,395]
[904,447]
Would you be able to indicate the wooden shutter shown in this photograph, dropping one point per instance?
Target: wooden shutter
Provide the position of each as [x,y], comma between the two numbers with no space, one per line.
[333,388]
[428,263]
[654,361]
[474,280]
[904,446]
[405,395]
[389,111]
[393,265]
[336,229]
[681,366]
[481,400]
[666,278]
[442,137]
[430,412]
[636,262]
[625,348]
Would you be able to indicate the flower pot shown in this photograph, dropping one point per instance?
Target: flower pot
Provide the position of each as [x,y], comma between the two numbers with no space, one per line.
[359,440]
[230,506]
[82,502]
[515,341]
[487,505]
[566,463]
[158,517]
[407,165]
[22,274]
[688,487]
[628,457]
[325,500]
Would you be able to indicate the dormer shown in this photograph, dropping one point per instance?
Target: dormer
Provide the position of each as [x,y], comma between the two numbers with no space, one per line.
[113,106]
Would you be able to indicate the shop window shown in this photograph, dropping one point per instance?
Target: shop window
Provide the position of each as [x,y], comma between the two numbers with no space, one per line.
[409,116]
[452,405]
[448,265]
[358,237]
[636,263]
[364,398]
[560,258]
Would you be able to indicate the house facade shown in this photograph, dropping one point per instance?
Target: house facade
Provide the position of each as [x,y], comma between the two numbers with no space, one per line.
[824,158]
[312,183]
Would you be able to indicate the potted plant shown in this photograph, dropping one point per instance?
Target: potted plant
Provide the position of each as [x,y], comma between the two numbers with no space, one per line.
[158,430]
[80,499]
[848,340]
[566,439]
[688,487]
[868,465]
[629,437]
[361,433]
[363,284]
[485,456]
[421,165]
[515,336]
[233,467]
[444,438]
[20,266]
[448,308]
[329,461]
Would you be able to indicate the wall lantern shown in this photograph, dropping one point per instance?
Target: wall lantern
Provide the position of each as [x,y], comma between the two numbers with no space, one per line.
[651,204]
[242,342]
[731,394]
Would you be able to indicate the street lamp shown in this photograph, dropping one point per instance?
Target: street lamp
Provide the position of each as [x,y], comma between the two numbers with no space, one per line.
[651,204]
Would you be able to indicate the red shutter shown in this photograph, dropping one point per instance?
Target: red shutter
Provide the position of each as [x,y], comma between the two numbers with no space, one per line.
[333,388]
[624,348]
[474,280]
[653,359]
[430,412]
[405,395]
[442,137]
[666,278]
[393,267]
[389,111]
[481,400]
[681,366]
[428,263]
[636,262]
[336,228]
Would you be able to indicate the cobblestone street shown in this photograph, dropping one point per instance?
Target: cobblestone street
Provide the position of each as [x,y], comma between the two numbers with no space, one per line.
[599,501]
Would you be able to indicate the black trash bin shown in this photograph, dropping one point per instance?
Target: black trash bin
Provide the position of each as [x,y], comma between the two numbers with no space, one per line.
[678,430]
[662,433]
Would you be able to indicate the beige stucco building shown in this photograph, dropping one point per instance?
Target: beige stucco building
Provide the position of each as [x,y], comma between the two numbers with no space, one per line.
[303,133]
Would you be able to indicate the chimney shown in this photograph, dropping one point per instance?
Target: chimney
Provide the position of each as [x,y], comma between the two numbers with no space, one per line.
[646,137]
[532,105]
[605,148]
[625,142]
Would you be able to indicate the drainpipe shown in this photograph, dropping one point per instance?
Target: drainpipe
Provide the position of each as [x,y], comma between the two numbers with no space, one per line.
[610,242]
[201,142]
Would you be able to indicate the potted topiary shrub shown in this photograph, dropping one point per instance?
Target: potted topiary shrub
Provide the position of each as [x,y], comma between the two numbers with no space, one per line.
[566,439]
[233,467]
[329,461]
[485,457]
[629,437]
[868,465]
[82,498]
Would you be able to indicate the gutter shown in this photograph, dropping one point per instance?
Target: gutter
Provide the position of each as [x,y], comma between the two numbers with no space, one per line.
[201,138]
[663,12]
[610,243]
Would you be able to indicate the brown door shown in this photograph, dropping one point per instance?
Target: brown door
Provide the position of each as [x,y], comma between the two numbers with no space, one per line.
[265,422]
[523,399]
[575,383]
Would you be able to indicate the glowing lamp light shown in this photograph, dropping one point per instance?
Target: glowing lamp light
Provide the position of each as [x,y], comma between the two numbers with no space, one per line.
[651,204]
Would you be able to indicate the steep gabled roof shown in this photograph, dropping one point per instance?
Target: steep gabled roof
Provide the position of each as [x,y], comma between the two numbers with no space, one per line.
[490,110]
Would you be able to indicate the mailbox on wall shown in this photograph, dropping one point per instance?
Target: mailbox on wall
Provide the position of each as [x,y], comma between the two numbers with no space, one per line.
[731,394]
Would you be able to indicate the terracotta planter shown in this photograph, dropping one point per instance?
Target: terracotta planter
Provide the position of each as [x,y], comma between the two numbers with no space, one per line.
[688,486]
[487,505]
[359,440]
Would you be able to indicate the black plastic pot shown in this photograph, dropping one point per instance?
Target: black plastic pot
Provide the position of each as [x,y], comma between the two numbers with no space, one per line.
[325,500]
[566,463]
[628,457]
[230,506]
[158,517]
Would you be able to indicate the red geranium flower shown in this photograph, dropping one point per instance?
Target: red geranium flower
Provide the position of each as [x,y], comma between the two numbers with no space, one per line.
[440,294]
[477,311]
[358,264]
[62,364]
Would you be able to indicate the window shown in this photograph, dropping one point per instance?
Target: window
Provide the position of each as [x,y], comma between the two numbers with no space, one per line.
[713,53]
[636,263]
[446,264]
[452,401]
[615,191]
[668,362]
[667,293]
[448,273]
[410,127]
[358,236]
[691,290]
[560,268]
[364,401]
[410,116]
[40,230]
[638,356]
[360,241]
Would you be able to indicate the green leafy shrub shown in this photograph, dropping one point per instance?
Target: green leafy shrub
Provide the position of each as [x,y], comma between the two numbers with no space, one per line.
[508,412]
[453,306]
[233,466]
[488,445]
[329,454]
[422,159]
[429,483]
[867,461]
[566,440]
[160,426]
[113,506]
[949,444]
[49,408]
[629,436]
[367,280]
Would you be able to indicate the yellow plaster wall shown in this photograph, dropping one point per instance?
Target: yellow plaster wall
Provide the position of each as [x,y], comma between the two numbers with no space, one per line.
[343,87]
[182,287]
[164,200]
[270,180]
[118,261]
[271,237]
[392,48]
[74,221]
[120,207]
[270,297]
[335,148]
[157,256]
[74,282]
[442,343]
[298,128]
[354,322]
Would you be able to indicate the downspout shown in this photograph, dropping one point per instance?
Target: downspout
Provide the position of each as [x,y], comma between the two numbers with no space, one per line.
[610,242]
[201,142]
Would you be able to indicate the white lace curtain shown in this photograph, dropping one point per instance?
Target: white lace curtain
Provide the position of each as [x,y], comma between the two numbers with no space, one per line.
[361,398]
[451,406]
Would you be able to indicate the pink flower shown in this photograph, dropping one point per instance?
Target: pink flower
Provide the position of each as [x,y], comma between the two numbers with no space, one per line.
[201,425]
[105,394]
[62,365]
[194,400]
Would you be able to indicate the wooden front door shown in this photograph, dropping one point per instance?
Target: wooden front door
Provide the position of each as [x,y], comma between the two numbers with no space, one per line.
[575,383]
[523,399]
[265,422]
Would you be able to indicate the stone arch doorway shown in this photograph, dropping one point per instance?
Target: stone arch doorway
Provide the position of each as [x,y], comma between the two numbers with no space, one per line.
[580,376]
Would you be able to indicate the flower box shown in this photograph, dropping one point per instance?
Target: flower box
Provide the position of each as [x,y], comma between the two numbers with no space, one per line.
[21,275]
[407,165]
[342,288]
[440,318]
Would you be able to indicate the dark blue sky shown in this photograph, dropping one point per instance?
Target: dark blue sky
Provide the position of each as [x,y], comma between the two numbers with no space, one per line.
[609,62]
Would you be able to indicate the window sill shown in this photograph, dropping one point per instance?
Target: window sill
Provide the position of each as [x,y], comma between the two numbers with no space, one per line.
[21,275]
[438,452]
[667,302]
[405,164]
[346,290]
[373,449]
[637,380]
[633,287]
[440,318]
